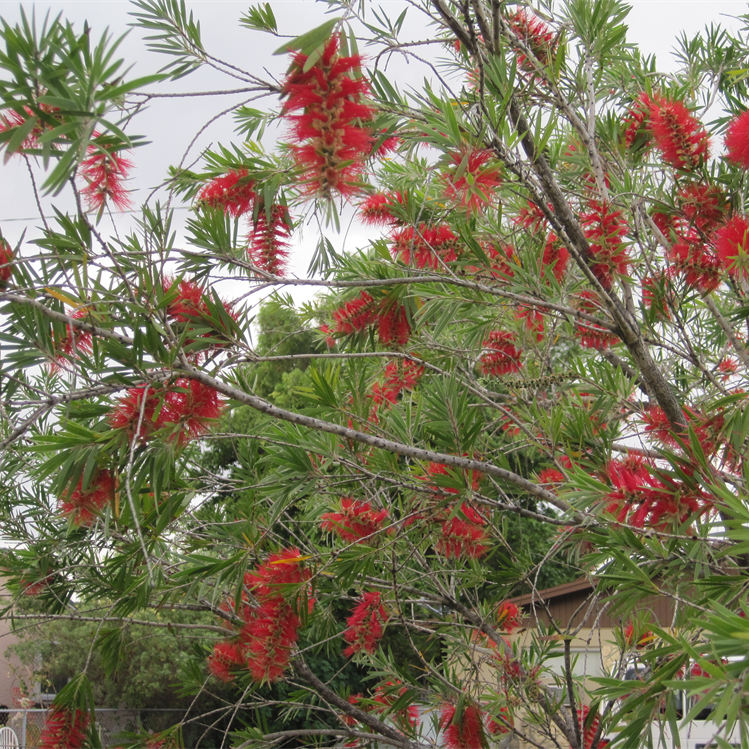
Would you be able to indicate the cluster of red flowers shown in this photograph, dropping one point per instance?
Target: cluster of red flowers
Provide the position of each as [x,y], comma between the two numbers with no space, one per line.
[508,616]
[604,229]
[704,206]
[531,218]
[500,266]
[272,627]
[676,132]
[355,315]
[187,407]
[426,246]
[637,638]
[64,729]
[534,321]
[553,475]
[104,172]
[535,34]
[589,729]
[74,342]
[386,695]
[642,500]
[464,534]
[737,140]
[365,625]
[471,478]
[11,119]
[331,127]
[464,730]
[82,505]
[592,335]
[732,246]
[500,356]
[356,522]
[6,262]
[234,193]
[472,179]
[376,210]
[658,294]
[393,327]
[189,308]
[391,318]
[269,240]
[556,256]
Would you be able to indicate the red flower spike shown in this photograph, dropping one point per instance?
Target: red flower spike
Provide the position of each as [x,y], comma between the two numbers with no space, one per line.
[463,536]
[355,315]
[385,695]
[426,246]
[678,134]
[504,725]
[737,140]
[472,478]
[356,522]
[531,218]
[590,334]
[479,177]
[551,476]
[365,625]
[330,130]
[656,294]
[269,638]
[704,206]
[402,374]
[104,173]
[556,255]
[232,192]
[732,246]
[11,119]
[82,505]
[189,308]
[191,409]
[64,729]
[376,210]
[535,34]
[127,414]
[284,568]
[604,230]
[642,640]
[636,125]
[465,731]
[226,655]
[394,326]
[269,241]
[74,342]
[7,259]
[589,728]
[508,617]
[501,260]
[534,321]
[700,267]
[727,367]
[500,357]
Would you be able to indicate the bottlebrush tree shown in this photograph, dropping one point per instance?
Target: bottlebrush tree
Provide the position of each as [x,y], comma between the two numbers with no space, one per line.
[548,321]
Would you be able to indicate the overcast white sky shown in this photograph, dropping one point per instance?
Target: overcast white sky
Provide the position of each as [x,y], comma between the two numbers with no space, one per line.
[170,124]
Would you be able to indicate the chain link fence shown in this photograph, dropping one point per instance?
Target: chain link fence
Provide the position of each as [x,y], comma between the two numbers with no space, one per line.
[28,726]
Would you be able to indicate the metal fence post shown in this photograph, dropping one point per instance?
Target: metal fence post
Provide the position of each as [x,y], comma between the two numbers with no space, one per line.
[23,729]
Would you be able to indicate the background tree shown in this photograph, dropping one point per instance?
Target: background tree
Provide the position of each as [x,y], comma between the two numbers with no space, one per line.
[546,324]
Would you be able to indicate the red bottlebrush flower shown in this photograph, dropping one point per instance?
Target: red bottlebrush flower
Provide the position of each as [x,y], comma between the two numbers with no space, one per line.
[700,267]
[74,342]
[462,730]
[11,119]
[127,414]
[732,246]
[604,230]
[191,409]
[386,695]
[472,478]
[81,505]
[189,308]
[704,206]
[225,656]
[104,172]
[499,267]
[331,128]
[508,617]
[472,179]
[658,426]
[636,130]
[588,728]
[737,140]
[463,536]
[534,321]
[551,476]
[638,639]
[284,568]
[376,210]
[633,490]
[64,729]
[234,193]
[329,340]
[556,256]
[365,625]
[590,334]
[535,34]
[269,240]
[500,357]
[356,521]
[355,315]
[402,374]
[7,259]
[394,326]
[531,218]
[678,134]
[727,367]
[269,637]
[426,246]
